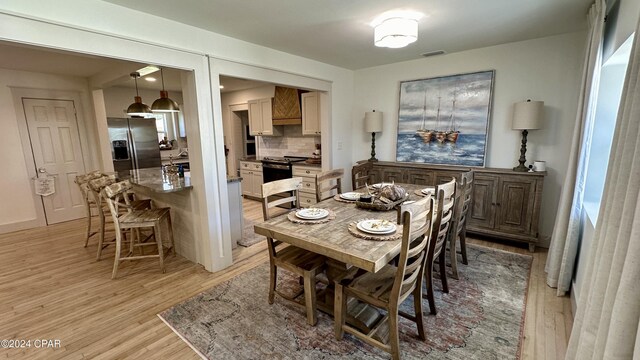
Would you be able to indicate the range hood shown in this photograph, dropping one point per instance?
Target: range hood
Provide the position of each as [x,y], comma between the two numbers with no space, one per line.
[286,106]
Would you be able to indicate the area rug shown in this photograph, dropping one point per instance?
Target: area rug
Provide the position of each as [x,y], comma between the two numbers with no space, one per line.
[249,237]
[481,317]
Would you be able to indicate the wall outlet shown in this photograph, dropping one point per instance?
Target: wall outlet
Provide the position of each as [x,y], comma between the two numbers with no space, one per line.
[339,145]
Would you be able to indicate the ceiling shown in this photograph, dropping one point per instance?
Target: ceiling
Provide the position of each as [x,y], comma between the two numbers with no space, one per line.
[338,31]
[235,84]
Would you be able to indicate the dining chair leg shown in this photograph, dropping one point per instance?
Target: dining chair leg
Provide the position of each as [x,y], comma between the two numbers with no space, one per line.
[116,260]
[88,233]
[273,274]
[100,238]
[443,272]
[310,297]
[463,246]
[429,294]
[394,335]
[170,232]
[417,306]
[453,256]
[339,311]
[157,234]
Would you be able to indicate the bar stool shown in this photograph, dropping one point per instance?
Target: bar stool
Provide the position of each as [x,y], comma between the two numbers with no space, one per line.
[96,186]
[116,196]
[87,199]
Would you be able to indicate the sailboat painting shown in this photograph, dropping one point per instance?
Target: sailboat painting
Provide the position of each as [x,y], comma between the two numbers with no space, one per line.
[445,120]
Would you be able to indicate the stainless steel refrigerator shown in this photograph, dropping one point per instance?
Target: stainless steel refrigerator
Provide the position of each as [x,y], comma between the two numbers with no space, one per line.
[134,143]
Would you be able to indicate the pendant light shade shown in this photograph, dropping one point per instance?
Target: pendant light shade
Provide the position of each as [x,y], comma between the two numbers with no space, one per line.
[164,103]
[138,108]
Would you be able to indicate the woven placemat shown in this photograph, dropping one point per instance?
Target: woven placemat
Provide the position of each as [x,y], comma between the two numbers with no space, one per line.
[353,229]
[294,219]
[420,193]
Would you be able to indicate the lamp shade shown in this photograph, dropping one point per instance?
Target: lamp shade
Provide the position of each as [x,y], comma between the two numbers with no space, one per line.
[164,104]
[138,108]
[396,32]
[527,115]
[373,121]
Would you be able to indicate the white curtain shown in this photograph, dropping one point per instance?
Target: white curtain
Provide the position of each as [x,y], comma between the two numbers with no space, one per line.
[606,325]
[565,237]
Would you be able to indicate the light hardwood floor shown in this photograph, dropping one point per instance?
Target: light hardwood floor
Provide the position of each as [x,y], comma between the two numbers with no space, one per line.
[52,288]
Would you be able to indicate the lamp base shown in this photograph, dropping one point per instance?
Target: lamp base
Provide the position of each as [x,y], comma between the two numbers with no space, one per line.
[373,147]
[523,151]
[521,168]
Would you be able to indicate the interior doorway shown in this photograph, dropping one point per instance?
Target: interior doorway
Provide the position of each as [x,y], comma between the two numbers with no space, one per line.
[53,136]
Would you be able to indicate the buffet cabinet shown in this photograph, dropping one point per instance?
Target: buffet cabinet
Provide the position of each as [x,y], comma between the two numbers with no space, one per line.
[505,204]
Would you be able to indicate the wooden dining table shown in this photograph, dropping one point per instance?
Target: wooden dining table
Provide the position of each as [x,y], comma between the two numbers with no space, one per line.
[342,249]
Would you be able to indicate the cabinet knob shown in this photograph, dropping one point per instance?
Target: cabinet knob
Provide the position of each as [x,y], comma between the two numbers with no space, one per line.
[308,185]
[307,171]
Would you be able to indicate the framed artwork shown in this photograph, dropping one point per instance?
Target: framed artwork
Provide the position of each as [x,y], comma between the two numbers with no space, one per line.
[445,120]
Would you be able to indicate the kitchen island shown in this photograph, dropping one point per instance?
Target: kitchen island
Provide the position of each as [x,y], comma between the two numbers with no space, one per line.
[169,192]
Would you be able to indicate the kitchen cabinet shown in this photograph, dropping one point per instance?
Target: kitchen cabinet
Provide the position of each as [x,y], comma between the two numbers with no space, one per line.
[260,118]
[251,173]
[308,174]
[505,204]
[312,112]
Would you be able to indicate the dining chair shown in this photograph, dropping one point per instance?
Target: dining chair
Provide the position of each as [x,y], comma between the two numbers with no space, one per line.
[391,285]
[96,186]
[360,175]
[327,182]
[301,262]
[116,196]
[458,229]
[87,200]
[444,203]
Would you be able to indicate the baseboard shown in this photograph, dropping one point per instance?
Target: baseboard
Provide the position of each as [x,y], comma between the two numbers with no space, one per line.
[21,225]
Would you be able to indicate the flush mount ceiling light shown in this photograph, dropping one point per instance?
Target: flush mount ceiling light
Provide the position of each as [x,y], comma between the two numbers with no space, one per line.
[396,29]
[138,109]
[164,104]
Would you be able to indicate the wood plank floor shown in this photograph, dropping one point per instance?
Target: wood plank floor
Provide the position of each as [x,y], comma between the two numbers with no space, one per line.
[51,287]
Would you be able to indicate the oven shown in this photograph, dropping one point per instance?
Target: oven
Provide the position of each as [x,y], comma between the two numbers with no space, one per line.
[272,171]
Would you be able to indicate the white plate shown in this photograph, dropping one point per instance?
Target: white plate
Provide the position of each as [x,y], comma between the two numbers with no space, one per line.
[380,185]
[352,196]
[375,226]
[312,213]
[408,202]
[428,190]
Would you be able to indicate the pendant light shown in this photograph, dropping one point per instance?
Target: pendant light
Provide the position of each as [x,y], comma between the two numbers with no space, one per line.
[138,109]
[164,104]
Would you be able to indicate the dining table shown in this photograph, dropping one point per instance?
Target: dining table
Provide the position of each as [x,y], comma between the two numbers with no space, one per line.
[343,250]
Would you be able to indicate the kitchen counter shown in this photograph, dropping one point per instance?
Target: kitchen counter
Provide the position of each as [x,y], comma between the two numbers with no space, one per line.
[251,159]
[153,179]
[303,163]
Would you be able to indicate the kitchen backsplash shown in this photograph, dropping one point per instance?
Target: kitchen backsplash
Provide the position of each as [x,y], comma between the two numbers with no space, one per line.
[290,143]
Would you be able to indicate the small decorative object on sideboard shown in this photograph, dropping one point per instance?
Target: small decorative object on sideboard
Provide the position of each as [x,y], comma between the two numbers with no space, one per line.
[539,166]
[527,115]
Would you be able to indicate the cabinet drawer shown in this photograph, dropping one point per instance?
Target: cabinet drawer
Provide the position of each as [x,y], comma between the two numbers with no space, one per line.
[307,200]
[309,184]
[305,171]
[250,165]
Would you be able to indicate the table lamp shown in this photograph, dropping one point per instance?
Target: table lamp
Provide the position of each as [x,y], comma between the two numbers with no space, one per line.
[527,115]
[373,124]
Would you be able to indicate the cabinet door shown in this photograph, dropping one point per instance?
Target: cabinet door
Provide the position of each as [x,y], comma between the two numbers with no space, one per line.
[257,183]
[482,214]
[310,113]
[255,117]
[515,205]
[266,113]
[247,180]
[445,176]
[389,175]
[420,177]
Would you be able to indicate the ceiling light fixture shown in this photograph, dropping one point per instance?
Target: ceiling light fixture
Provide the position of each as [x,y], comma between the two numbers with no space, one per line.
[396,29]
[147,70]
[138,109]
[150,79]
[164,104]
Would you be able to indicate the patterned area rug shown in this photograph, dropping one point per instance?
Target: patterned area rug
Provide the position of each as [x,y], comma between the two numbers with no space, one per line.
[482,317]
[249,237]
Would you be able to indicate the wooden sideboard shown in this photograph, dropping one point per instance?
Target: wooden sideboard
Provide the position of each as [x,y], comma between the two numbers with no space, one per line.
[505,204]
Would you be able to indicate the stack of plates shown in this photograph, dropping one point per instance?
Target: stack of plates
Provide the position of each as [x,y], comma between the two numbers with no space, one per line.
[376,226]
[428,190]
[351,196]
[312,213]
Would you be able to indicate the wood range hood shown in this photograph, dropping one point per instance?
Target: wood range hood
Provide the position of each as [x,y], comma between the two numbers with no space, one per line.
[286,108]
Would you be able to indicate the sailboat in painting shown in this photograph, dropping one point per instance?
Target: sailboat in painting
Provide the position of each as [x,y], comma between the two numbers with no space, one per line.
[451,134]
[423,132]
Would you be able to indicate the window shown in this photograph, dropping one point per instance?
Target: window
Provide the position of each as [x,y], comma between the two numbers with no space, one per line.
[161,125]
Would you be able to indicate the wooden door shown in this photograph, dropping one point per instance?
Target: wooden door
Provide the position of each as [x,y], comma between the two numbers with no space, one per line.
[515,198]
[247,179]
[483,199]
[255,117]
[311,113]
[53,132]
[420,177]
[256,183]
[267,118]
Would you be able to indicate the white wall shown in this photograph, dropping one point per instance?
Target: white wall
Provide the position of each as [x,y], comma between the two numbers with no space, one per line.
[15,183]
[545,69]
